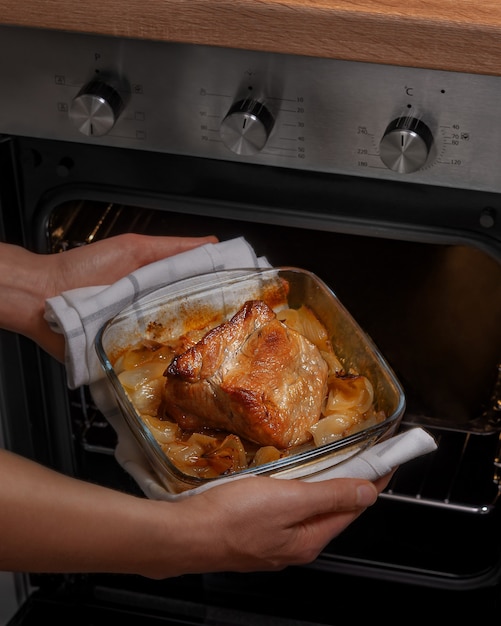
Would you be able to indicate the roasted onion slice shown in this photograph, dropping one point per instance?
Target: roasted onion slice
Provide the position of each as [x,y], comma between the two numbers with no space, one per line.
[349,394]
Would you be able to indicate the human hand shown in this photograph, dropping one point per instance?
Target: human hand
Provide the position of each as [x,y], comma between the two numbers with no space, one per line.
[108,260]
[28,279]
[261,524]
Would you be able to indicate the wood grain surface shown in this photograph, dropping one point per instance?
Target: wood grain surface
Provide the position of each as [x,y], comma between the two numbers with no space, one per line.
[457,35]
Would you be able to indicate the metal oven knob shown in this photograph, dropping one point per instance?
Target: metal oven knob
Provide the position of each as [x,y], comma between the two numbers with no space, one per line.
[96,108]
[246,127]
[406,145]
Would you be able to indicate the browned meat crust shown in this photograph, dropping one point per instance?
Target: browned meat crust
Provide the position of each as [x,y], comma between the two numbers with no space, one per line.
[251,376]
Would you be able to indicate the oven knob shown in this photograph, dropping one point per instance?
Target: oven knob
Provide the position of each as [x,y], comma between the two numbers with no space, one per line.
[406,145]
[246,127]
[96,108]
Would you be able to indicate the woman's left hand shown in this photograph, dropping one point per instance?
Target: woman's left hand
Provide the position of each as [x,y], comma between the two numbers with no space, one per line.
[28,279]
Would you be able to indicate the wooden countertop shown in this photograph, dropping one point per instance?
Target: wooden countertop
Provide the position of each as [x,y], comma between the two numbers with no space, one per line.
[457,35]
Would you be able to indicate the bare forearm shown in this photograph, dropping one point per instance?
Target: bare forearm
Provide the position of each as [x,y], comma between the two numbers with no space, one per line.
[52,523]
[23,283]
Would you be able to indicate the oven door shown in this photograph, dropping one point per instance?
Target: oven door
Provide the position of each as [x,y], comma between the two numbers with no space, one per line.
[415,267]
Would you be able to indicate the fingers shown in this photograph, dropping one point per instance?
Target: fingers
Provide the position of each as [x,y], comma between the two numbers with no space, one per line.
[290,503]
[268,523]
[304,517]
[366,494]
[108,260]
[100,263]
[336,495]
[156,248]
[336,505]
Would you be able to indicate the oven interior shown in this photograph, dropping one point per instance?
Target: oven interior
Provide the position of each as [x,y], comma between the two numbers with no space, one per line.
[431,301]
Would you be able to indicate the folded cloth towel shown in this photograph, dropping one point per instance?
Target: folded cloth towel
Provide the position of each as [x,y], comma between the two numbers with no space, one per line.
[80,313]
[381,458]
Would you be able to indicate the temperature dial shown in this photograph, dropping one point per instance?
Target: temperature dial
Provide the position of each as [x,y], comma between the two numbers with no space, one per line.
[246,127]
[96,108]
[406,145]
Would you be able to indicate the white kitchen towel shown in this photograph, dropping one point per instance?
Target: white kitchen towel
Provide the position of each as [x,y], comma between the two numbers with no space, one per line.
[79,313]
[381,458]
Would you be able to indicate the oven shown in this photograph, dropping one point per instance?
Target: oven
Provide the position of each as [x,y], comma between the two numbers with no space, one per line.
[382,180]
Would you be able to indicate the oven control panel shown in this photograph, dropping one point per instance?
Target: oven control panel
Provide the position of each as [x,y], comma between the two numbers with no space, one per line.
[388,122]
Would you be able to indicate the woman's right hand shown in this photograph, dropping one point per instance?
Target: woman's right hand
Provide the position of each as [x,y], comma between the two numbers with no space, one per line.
[259,523]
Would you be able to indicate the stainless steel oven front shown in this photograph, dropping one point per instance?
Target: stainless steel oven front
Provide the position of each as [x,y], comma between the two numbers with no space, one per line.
[382,180]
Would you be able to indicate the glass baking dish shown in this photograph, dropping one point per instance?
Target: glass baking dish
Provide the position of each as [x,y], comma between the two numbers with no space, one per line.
[206,301]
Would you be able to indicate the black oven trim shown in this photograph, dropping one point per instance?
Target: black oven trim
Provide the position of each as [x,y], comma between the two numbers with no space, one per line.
[50,171]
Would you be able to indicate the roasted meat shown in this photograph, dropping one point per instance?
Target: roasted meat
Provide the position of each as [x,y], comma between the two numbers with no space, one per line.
[251,376]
